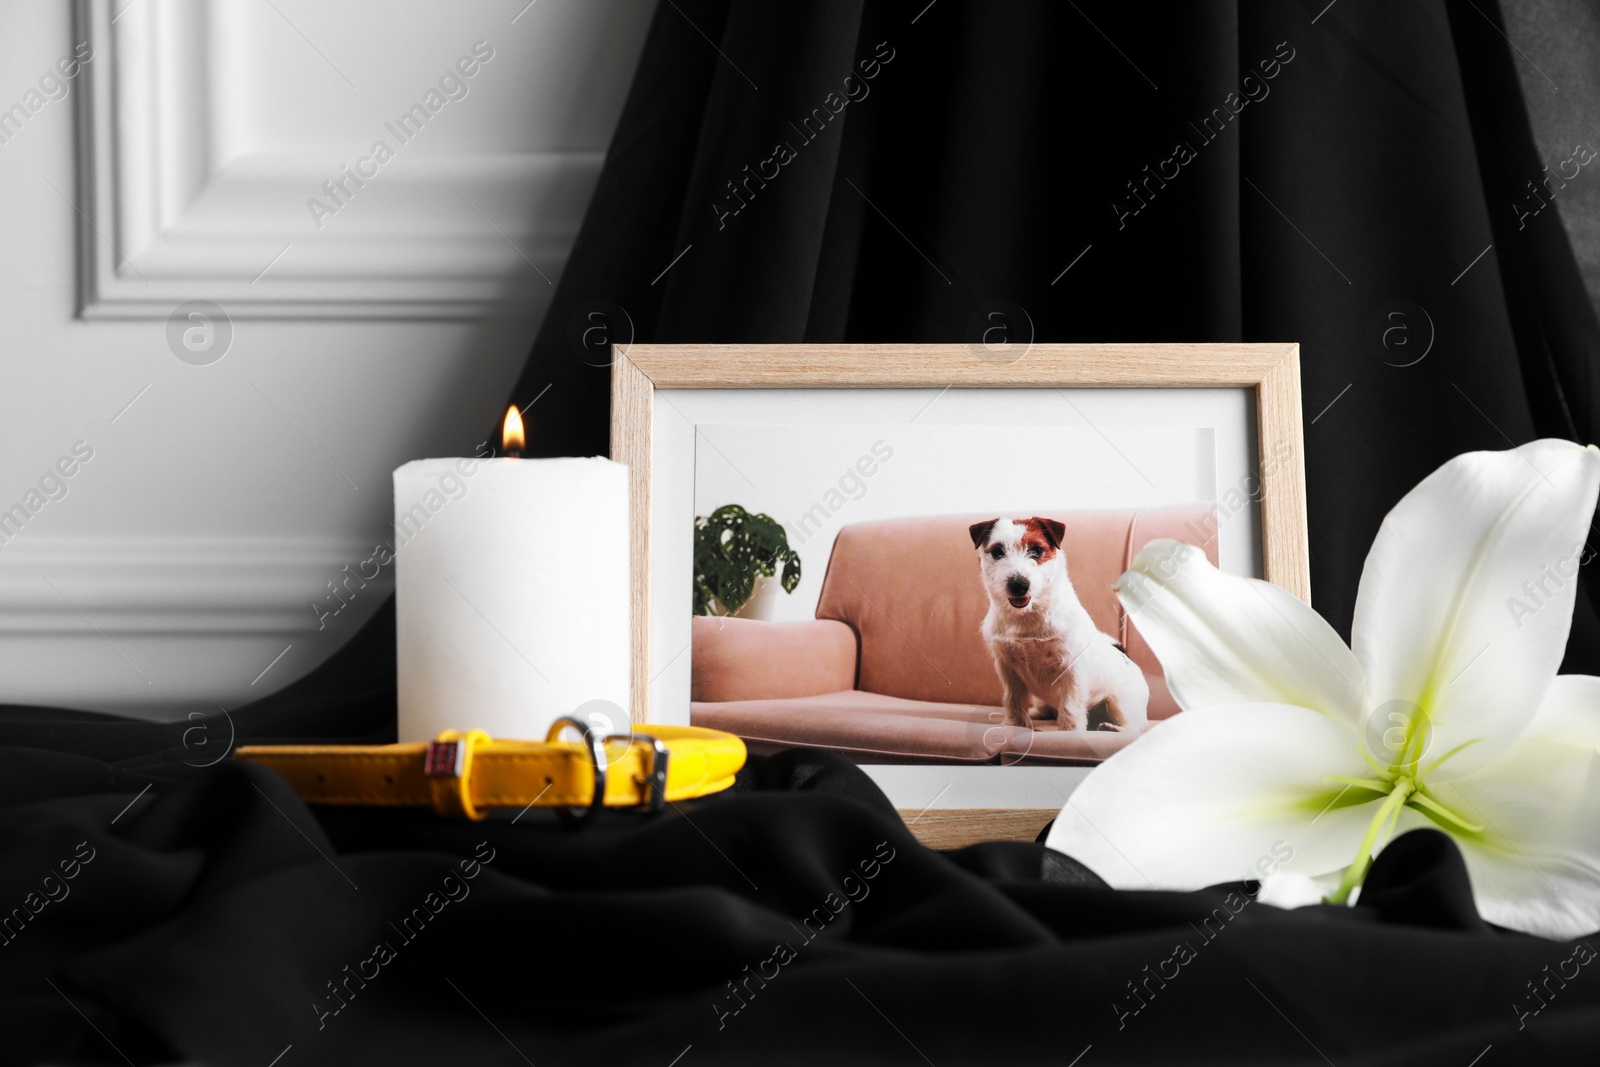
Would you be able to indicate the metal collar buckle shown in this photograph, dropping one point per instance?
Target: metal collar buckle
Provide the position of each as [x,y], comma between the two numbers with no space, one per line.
[655,784]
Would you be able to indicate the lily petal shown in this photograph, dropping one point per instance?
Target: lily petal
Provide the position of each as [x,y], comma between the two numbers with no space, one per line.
[1292,889]
[1222,639]
[1535,867]
[1220,794]
[1437,628]
[1570,712]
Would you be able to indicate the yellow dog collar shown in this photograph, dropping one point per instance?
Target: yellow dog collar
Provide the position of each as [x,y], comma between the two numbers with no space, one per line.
[461,775]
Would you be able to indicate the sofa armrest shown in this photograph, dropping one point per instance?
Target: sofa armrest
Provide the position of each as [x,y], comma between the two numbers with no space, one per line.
[746,659]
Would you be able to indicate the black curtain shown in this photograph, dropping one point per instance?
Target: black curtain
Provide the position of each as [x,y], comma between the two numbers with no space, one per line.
[1353,177]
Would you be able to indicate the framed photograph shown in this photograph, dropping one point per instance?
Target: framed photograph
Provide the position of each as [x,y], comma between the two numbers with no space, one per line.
[888,550]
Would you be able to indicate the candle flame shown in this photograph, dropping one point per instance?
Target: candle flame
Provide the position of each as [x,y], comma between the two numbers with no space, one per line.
[512,438]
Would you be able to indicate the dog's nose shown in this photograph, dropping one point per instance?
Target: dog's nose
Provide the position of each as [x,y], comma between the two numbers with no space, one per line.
[1017,586]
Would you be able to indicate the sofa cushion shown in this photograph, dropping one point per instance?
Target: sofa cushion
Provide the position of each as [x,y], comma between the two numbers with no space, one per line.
[910,589]
[875,728]
[747,659]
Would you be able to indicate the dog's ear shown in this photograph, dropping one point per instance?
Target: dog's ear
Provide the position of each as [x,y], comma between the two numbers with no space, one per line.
[1054,531]
[980,532]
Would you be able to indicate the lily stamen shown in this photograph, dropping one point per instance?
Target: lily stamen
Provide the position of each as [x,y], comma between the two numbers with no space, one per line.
[1421,800]
[1376,785]
[1358,870]
[1436,764]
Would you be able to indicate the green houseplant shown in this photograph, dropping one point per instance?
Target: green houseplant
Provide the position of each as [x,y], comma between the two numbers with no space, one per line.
[732,549]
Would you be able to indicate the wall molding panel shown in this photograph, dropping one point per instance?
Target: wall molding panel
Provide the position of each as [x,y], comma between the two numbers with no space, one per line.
[142,625]
[167,220]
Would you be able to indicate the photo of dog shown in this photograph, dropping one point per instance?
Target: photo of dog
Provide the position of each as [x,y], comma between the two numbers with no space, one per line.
[1052,660]
[842,611]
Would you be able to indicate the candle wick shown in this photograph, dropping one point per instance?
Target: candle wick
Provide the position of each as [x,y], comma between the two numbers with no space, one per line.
[513,453]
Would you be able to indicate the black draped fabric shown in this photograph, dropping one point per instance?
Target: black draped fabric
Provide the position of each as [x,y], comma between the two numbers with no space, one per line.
[796,921]
[1008,152]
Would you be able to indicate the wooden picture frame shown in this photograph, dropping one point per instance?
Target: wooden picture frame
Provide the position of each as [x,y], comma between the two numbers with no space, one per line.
[1271,371]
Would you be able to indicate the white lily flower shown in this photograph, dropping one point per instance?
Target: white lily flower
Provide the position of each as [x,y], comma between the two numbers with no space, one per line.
[1448,713]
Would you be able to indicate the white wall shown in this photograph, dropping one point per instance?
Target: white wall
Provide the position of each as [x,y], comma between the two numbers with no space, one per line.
[185,555]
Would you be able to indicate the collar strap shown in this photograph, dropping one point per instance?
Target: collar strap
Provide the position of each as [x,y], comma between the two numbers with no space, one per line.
[460,775]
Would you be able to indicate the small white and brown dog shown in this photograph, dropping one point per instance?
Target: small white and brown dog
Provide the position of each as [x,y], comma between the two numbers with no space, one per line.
[1052,660]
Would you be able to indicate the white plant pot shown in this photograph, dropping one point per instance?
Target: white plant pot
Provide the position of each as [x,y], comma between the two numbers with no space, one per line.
[762,605]
[763,602]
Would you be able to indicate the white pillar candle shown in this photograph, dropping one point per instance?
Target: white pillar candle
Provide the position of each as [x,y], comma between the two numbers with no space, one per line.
[511,593]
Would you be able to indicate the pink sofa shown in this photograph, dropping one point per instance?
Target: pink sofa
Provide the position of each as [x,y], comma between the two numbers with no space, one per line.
[893,668]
